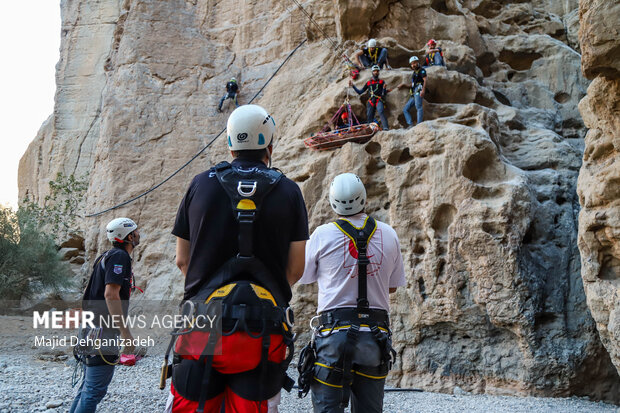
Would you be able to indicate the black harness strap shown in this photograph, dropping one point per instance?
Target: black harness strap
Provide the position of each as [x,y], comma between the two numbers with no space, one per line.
[207,358]
[361,238]
[246,189]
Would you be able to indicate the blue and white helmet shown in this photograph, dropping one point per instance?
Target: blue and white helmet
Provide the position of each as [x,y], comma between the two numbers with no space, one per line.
[347,194]
[250,127]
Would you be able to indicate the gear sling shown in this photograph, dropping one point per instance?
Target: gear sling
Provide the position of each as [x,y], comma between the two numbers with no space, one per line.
[249,300]
[341,374]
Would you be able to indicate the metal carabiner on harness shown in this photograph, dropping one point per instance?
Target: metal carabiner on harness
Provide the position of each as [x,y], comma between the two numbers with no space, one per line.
[246,189]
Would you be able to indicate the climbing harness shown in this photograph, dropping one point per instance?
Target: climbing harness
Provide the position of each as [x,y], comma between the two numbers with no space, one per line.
[353,320]
[376,90]
[373,58]
[248,299]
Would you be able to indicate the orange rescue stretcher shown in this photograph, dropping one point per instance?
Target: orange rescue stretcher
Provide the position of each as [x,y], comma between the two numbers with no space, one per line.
[352,131]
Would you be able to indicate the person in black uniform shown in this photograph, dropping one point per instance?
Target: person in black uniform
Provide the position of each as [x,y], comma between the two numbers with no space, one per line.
[232,88]
[207,234]
[107,294]
[377,89]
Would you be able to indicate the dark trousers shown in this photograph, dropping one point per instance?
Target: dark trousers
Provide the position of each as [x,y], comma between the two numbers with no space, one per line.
[370,113]
[229,95]
[366,393]
[381,61]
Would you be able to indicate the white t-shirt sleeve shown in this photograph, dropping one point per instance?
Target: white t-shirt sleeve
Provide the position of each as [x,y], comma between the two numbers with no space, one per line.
[397,278]
[312,253]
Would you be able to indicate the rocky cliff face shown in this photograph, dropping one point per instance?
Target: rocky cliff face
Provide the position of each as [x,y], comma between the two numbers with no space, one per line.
[482,194]
[599,178]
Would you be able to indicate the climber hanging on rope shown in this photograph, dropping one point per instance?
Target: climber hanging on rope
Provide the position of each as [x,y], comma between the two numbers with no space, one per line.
[377,89]
[372,55]
[232,88]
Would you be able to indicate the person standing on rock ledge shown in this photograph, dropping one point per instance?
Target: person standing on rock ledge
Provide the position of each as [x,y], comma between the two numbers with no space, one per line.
[377,89]
[107,294]
[241,233]
[372,55]
[416,91]
[357,263]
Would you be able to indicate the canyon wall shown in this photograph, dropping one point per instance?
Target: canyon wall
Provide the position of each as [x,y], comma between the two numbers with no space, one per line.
[599,177]
[482,194]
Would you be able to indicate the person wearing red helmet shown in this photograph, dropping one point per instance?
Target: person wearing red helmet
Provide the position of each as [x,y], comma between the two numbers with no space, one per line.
[434,54]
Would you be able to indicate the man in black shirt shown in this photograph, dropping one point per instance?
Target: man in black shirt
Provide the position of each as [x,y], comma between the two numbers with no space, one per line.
[417,89]
[208,236]
[231,93]
[107,294]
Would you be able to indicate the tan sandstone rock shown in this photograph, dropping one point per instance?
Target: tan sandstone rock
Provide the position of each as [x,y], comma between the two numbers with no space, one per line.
[599,178]
[482,194]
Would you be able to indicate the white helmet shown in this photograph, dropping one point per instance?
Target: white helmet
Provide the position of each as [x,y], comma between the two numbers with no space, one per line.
[375,67]
[119,228]
[413,59]
[372,43]
[250,127]
[347,195]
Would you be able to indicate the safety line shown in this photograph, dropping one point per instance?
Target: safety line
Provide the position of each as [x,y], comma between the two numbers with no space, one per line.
[199,152]
[336,46]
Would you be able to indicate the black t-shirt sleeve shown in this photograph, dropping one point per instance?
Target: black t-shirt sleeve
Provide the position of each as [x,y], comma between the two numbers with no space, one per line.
[181,223]
[300,229]
[423,73]
[117,269]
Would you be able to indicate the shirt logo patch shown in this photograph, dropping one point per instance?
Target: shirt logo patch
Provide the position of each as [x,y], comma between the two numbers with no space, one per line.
[117,269]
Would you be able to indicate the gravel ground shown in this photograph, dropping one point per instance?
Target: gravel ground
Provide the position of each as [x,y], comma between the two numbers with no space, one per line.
[29,385]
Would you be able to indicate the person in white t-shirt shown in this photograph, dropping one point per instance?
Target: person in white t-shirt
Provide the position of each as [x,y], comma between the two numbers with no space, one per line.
[353,326]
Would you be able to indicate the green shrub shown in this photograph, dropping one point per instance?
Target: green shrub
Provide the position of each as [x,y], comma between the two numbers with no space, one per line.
[61,208]
[29,260]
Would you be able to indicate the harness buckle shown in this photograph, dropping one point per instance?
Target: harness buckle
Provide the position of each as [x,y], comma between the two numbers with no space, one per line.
[289,316]
[246,216]
[246,189]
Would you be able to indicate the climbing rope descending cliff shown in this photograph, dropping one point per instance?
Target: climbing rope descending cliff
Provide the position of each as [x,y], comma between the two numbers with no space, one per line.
[169,177]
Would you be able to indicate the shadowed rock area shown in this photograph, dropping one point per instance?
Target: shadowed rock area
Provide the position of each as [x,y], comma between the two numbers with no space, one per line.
[481,194]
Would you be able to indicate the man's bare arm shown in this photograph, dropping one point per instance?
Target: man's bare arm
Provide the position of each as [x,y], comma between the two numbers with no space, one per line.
[356,58]
[296,261]
[183,248]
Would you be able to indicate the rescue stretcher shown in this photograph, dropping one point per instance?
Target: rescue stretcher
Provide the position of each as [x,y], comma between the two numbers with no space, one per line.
[337,138]
[353,131]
